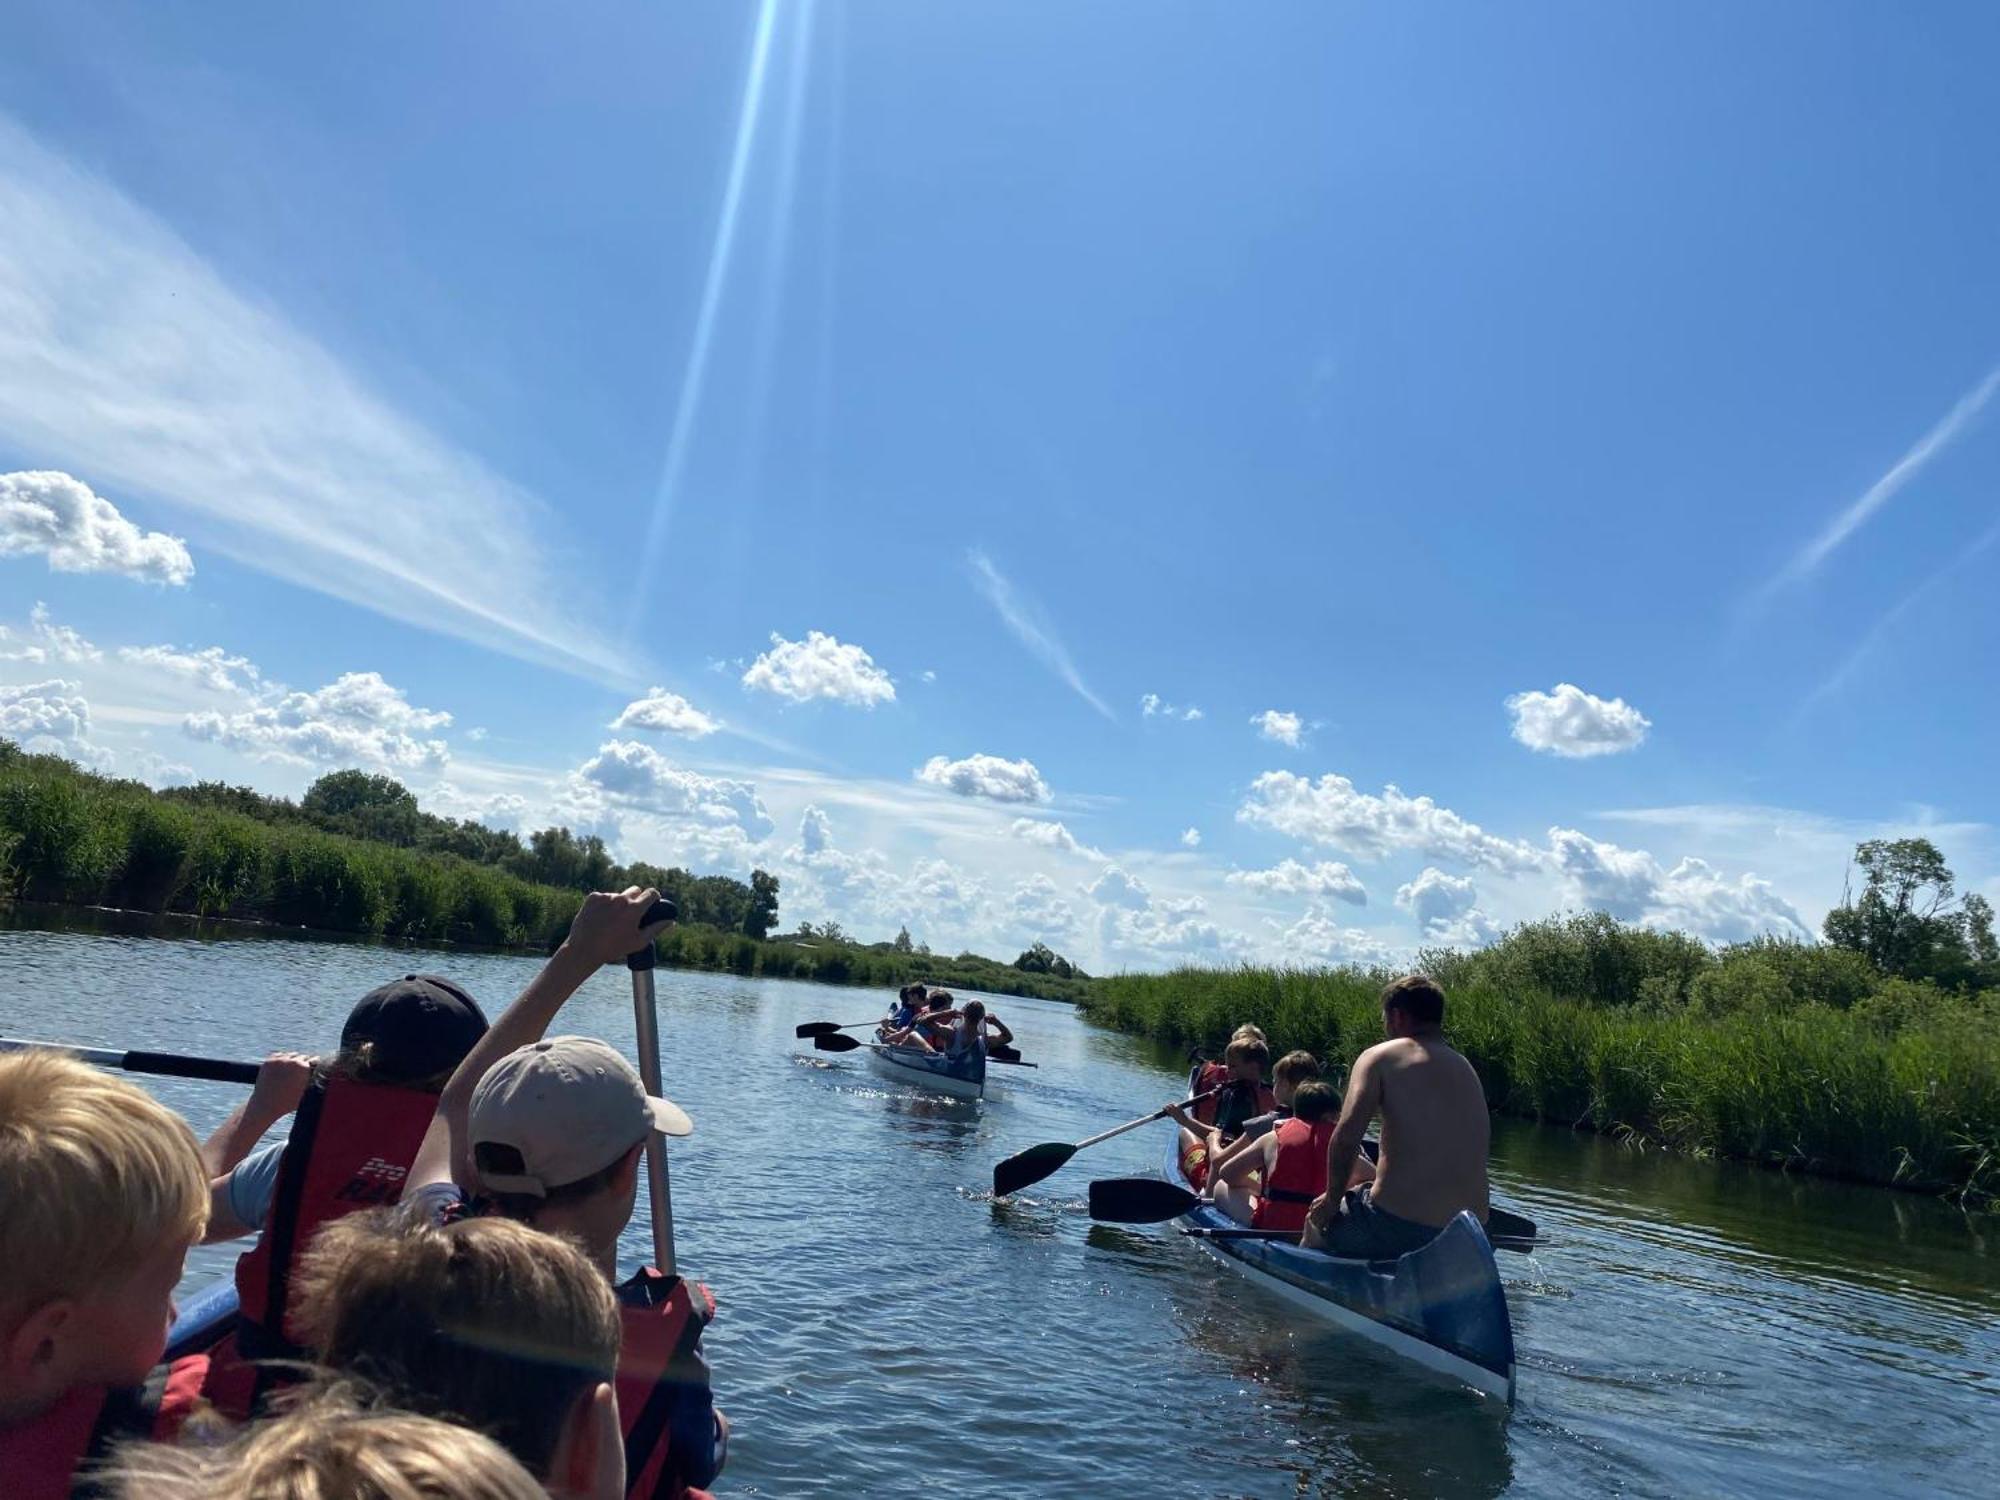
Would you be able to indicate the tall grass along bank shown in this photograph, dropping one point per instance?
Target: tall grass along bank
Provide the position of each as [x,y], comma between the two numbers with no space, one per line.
[1899,1085]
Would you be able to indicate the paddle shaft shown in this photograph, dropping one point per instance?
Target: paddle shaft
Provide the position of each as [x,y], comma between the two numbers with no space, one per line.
[1158,1114]
[159,1064]
[646,1025]
[1199,1232]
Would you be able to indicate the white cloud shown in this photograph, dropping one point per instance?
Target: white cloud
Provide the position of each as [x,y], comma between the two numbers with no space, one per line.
[53,711]
[211,667]
[1288,877]
[927,676]
[1031,627]
[81,532]
[1190,838]
[815,832]
[1277,725]
[1318,937]
[1038,912]
[127,354]
[668,712]
[1573,723]
[46,641]
[157,771]
[1153,706]
[1447,909]
[507,811]
[640,776]
[1630,885]
[986,776]
[1116,888]
[820,667]
[1332,813]
[358,717]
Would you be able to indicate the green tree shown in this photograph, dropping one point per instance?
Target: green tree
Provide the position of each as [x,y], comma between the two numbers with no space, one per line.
[1909,919]
[763,913]
[903,943]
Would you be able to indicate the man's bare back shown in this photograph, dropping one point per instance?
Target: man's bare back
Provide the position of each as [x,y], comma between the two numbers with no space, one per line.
[1435,1130]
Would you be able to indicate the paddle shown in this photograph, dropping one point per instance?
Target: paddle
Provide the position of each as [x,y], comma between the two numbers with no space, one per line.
[1150,1200]
[833,1042]
[828,1028]
[646,1021]
[1025,1168]
[1197,1232]
[160,1064]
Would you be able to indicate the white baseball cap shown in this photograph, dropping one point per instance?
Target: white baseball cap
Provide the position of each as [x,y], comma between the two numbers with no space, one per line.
[570,1106]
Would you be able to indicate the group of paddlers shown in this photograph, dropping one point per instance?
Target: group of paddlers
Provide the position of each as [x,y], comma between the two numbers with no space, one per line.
[932,1021]
[431,1306]
[1290,1155]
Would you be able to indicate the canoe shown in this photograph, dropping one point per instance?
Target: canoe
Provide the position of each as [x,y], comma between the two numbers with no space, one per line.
[203,1319]
[1440,1307]
[961,1077]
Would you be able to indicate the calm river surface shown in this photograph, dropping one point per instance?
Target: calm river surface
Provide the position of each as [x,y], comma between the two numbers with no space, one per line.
[886,1329]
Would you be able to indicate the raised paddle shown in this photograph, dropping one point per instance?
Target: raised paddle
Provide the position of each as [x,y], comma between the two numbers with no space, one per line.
[646,1022]
[1151,1200]
[160,1064]
[1026,1168]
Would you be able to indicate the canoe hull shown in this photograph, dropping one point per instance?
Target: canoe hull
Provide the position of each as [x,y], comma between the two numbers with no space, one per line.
[962,1078]
[1441,1307]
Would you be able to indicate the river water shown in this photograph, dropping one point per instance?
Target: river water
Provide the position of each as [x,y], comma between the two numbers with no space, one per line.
[886,1329]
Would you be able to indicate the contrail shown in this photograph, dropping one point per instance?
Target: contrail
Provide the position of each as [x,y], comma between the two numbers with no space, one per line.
[1023,617]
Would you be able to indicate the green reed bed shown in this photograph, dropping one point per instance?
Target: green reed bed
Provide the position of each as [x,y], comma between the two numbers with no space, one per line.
[1911,1100]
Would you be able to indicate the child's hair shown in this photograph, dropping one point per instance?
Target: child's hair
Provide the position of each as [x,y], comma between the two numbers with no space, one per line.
[1250,1033]
[328,1447]
[95,1175]
[1294,1068]
[940,999]
[1416,996]
[1314,1101]
[975,1011]
[911,992]
[487,1321]
[1248,1049]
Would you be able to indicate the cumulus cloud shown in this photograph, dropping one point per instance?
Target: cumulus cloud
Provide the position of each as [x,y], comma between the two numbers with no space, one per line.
[1631,885]
[45,716]
[641,777]
[668,712]
[1318,937]
[1037,910]
[1446,908]
[820,667]
[1116,888]
[1333,813]
[986,776]
[815,832]
[1153,706]
[1190,838]
[1290,878]
[46,642]
[79,531]
[358,717]
[211,667]
[1575,724]
[1279,726]
[501,810]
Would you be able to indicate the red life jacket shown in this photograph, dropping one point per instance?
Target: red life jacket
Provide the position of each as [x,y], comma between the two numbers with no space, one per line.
[1208,1076]
[665,1405]
[41,1459]
[1297,1175]
[350,1148]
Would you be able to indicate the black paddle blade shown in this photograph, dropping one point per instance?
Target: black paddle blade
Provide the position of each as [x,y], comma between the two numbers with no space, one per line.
[1030,1167]
[1138,1200]
[814,1028]
[1500,1224]
[1003,1054]
[835,1043]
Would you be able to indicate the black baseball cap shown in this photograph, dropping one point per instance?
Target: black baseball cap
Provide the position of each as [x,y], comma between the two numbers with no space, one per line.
[419,1025]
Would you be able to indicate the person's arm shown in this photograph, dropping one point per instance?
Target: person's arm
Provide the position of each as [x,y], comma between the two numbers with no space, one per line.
[606,928]
[1237,1160]
[281,1082]
[1364,1098]
[1006,1037]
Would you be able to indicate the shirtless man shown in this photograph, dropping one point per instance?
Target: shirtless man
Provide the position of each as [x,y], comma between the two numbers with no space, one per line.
[1434,1136]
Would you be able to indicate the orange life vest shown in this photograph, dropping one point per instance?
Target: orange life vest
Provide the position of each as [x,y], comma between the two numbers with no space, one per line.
[665,1406]
[1208,1076]
[1297,1175]
[350,1148]
[41,1459]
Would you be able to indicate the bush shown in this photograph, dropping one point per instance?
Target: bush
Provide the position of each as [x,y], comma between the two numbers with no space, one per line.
[64,845]
[159,853]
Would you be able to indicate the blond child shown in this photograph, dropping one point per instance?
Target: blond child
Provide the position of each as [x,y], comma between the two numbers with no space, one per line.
[102,1192]
[1293,1069]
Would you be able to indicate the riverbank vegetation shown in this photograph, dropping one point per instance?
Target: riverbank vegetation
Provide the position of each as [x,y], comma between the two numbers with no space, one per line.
[1873,1056]
[356,855]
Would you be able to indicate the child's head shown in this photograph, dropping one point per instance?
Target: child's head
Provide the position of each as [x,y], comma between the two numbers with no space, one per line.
[102,1191]
[485,1322]
[329,1448]
[1249,1033]
[411,1032]
[1314,1100]
[911,994]
[939,1000]
[1247,1058]
[1293,1069]
[556,1130]
[974,1014]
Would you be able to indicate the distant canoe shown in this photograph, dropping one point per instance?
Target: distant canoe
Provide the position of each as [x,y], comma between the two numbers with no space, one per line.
[961,1077]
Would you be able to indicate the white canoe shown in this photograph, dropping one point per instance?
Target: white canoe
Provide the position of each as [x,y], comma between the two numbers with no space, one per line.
[962,1077]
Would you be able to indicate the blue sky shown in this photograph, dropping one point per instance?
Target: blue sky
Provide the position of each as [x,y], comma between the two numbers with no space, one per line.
[912,390]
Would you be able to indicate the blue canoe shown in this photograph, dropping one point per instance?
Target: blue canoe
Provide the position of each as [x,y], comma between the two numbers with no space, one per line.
[204,1319]
[961,1077]
[1441,1307]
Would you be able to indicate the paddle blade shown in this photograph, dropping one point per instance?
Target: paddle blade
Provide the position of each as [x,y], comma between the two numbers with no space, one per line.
[814,1028]
[1030,1167]
[1500,1224]
[997,1053]
[835,1043]
[1138,1200]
